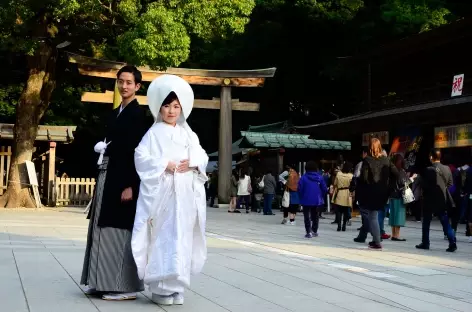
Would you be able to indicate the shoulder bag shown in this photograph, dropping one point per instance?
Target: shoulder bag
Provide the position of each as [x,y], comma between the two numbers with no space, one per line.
[449,200]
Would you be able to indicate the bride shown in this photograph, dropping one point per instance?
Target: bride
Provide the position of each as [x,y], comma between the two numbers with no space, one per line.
[168,240]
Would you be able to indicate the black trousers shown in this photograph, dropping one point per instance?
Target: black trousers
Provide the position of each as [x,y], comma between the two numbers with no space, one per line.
[365,228]
[415,208]
[342,213]
[312,219]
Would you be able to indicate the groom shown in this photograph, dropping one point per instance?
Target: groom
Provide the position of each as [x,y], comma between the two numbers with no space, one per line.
[109,266]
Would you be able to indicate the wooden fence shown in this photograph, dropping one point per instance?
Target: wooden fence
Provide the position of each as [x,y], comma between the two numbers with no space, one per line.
[5,158]
[74,191]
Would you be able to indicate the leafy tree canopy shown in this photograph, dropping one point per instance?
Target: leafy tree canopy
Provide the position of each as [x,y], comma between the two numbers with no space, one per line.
[143,32]
[410,16]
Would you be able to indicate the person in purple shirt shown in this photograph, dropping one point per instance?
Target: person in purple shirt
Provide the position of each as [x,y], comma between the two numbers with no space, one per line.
[312,191]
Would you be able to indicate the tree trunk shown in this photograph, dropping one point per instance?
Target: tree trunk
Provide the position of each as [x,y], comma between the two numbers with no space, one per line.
[33,103]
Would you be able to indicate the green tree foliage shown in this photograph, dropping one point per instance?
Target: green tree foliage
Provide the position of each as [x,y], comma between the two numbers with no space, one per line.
[9,96]
[340,10]
[410,16]
[160,36]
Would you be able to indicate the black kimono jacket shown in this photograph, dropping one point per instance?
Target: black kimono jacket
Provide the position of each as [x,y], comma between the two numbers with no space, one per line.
[124,132]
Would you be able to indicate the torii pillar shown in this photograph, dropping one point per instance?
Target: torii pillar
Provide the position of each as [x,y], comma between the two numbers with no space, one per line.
[226,79]
[225,155]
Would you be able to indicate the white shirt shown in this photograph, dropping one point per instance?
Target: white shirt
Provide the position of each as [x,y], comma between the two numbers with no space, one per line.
[243,186]
[121,109]
[357,170]
[283,177]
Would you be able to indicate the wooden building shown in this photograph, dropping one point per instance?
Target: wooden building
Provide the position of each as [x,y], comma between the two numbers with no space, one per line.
[44,157]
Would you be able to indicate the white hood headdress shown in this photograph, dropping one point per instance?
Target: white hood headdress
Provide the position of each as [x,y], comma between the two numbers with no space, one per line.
[161,87]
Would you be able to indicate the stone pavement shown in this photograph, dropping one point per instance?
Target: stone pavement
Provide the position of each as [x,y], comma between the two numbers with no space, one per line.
[254,264]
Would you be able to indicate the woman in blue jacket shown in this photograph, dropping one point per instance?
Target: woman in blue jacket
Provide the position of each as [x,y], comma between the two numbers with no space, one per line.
[311,190]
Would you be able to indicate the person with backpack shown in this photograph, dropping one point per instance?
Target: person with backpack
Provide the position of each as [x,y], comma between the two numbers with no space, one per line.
[312,191]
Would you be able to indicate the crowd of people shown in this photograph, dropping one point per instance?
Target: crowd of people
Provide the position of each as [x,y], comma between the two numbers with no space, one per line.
[378,186]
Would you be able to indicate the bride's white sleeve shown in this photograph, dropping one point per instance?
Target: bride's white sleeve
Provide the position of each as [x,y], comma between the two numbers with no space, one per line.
[198,156]
[150,165]
[150,168]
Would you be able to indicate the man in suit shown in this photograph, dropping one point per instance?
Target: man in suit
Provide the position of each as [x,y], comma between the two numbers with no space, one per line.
[436,198]
[109,268]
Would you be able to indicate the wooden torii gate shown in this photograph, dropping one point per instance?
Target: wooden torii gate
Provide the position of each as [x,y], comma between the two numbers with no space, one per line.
[226,79]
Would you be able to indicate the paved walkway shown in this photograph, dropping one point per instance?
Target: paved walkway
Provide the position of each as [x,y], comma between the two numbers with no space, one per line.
[254,264]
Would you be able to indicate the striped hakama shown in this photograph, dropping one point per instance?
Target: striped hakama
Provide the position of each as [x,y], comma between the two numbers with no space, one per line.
[109,265]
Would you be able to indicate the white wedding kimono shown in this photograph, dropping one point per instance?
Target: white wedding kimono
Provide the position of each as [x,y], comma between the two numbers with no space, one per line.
[168,240]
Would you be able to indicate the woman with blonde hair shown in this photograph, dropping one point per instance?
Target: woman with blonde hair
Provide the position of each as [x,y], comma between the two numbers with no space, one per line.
[372,189]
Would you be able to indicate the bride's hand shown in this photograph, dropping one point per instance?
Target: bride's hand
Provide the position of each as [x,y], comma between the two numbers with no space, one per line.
[171,166]
[184,166]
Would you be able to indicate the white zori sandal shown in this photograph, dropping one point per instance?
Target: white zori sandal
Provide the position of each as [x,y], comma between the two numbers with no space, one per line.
[119,297]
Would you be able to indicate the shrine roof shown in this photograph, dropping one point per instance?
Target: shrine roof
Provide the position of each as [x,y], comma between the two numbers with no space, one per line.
[63,134]
[393,111]
[273,127]
[295,141]
[235,149]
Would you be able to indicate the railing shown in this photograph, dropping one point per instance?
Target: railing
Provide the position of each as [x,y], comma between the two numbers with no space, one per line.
[5,158]
[74,191]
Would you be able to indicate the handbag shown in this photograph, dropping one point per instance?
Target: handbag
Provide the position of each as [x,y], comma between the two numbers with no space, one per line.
[407,194]
[249,186]
[286,199]
[261,184]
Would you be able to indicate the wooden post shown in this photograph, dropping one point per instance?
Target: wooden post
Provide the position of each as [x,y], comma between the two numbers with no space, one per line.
[280,163]
[52,175]
[116,97]
[225,156]
[2,170]
[43,178]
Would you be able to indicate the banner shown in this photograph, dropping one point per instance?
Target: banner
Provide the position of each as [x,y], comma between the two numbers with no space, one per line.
[457,85]
[407,144]
[453,136]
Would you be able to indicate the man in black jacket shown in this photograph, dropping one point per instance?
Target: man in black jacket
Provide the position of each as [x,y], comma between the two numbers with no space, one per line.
[109,266]
[436,198]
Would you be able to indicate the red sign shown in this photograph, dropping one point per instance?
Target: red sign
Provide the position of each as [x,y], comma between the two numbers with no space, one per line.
[457,85]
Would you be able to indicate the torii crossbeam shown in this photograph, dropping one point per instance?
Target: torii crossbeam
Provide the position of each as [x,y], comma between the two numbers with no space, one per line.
[222,78]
